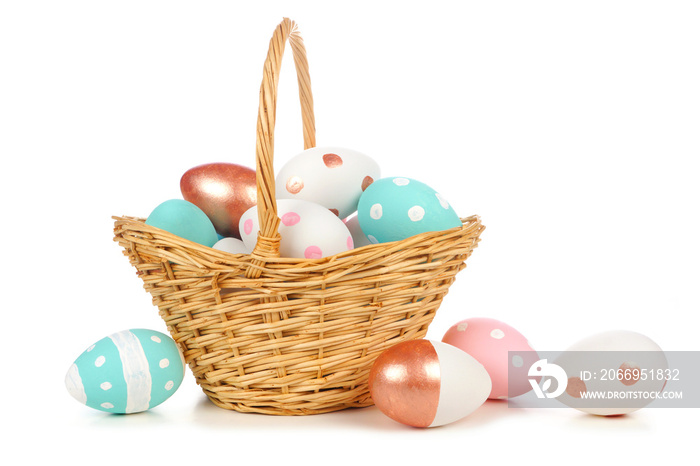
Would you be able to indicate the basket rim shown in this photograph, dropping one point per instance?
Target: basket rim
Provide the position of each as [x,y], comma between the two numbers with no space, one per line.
[471,224]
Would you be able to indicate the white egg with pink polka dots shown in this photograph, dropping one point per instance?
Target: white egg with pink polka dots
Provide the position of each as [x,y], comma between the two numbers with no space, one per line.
[307,230]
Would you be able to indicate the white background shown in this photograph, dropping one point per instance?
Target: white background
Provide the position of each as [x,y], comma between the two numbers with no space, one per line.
[571,128]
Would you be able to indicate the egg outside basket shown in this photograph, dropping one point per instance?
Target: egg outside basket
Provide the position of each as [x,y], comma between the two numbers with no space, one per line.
[291,336]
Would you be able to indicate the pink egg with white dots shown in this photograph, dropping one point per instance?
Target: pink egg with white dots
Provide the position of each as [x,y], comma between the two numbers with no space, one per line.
[307,230]
[489,341]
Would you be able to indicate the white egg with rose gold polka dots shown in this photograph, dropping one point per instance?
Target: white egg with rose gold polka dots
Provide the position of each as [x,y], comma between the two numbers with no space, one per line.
[333,177]
[307,230]
[127,372]
[614,373]
[392,209]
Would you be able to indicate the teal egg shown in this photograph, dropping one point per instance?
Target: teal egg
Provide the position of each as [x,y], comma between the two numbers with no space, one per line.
[392,209]
[184,219]
[127,372]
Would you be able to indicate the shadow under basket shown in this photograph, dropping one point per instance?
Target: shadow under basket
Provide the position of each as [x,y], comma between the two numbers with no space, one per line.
[291,336]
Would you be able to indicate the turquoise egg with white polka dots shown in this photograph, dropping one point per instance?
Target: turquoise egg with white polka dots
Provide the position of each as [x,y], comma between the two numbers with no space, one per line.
[127,372]
[184,219]
[395,208]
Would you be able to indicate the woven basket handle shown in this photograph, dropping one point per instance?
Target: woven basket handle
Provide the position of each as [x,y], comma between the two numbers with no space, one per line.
[268,239]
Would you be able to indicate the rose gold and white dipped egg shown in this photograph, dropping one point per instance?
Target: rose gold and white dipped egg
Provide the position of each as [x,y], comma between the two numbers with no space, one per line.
[424,383]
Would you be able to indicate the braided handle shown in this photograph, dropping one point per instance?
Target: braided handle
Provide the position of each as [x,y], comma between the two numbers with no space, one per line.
[267,245]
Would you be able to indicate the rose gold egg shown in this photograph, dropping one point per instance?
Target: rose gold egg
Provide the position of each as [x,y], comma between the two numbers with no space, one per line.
[224,191]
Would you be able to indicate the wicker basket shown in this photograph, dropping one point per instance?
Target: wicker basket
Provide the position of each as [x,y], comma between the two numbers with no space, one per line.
[291,336]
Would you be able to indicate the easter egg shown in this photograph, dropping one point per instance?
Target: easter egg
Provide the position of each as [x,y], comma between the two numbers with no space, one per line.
[127,372]
[333,177]
[424,383]
[620,365]
[392,209]
[223,191]
[307,230]
[184,219]
[489,341]
[358,236]
[232,245]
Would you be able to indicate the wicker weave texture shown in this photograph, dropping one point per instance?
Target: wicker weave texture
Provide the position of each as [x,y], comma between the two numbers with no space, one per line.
[291,336]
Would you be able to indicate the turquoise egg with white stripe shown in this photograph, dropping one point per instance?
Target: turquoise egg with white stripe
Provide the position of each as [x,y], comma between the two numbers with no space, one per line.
[127,372]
